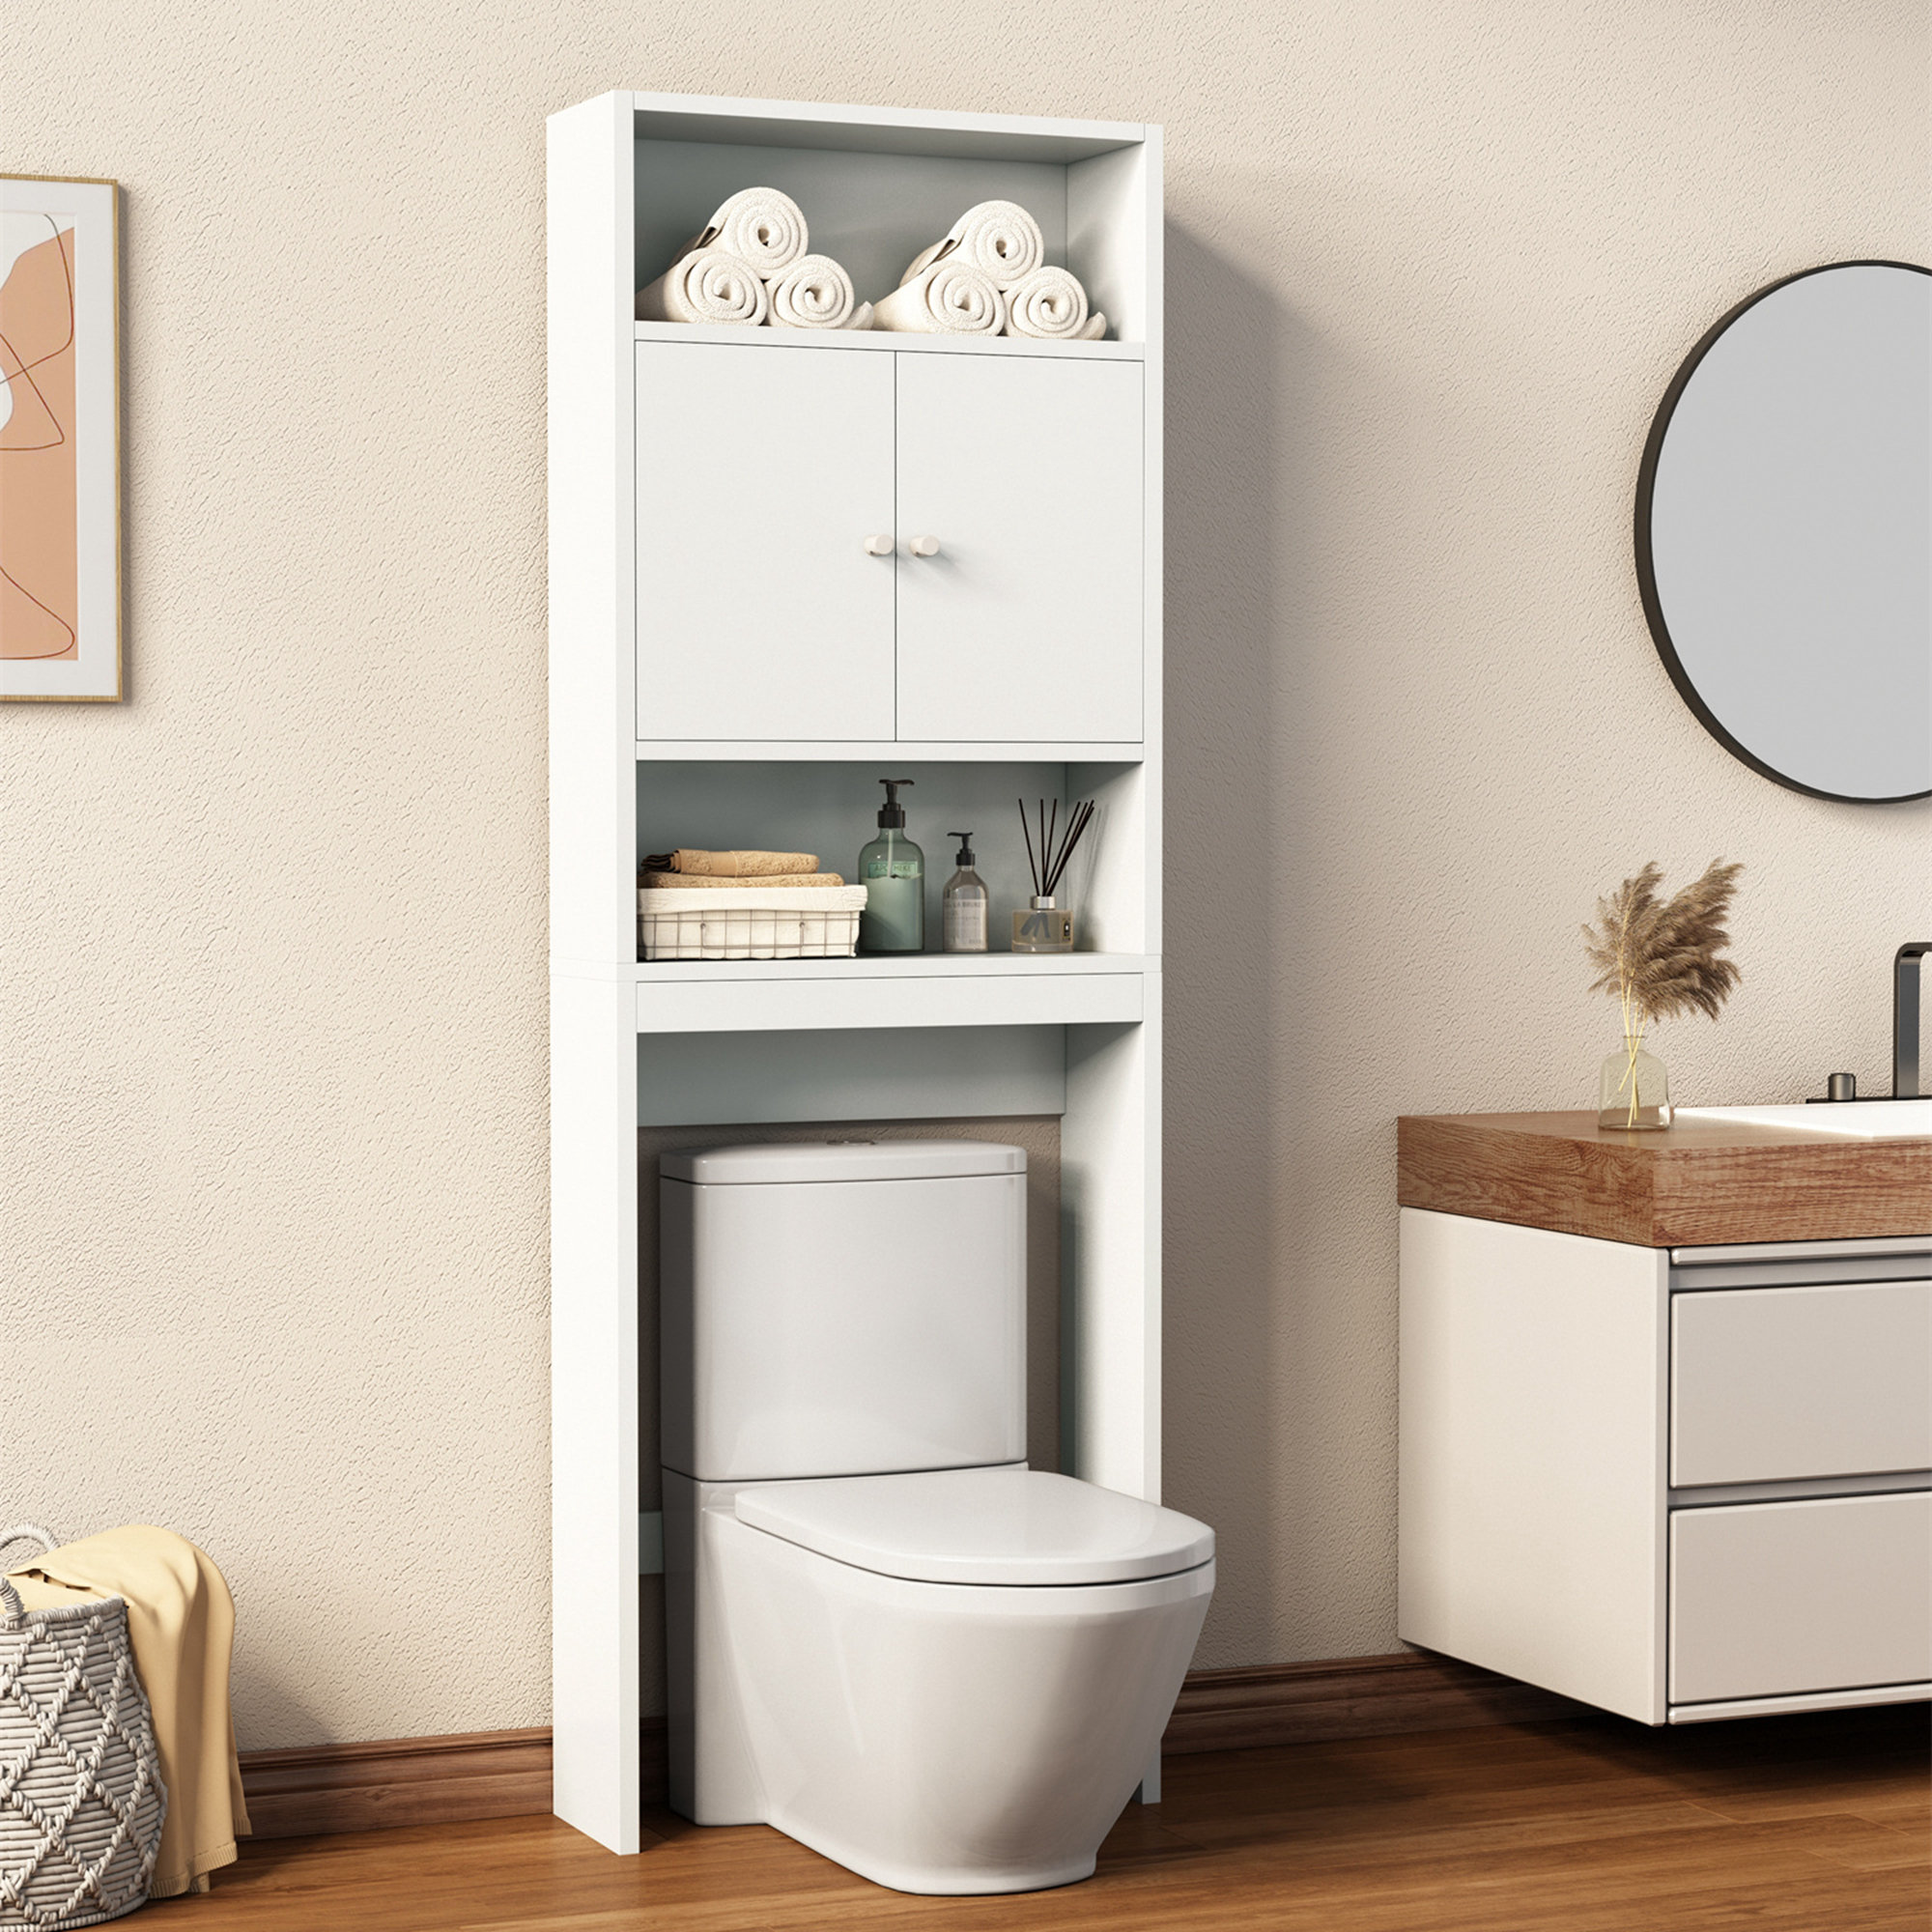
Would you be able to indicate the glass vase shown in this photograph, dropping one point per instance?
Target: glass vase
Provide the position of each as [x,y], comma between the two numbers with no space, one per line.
[1633,1089]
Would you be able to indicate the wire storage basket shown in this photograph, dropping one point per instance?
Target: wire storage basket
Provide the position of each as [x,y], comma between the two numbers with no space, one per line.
[81,1798]
[784,922]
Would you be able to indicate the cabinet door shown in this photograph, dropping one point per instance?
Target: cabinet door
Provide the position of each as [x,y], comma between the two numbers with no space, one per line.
[1025,625]
[762,471]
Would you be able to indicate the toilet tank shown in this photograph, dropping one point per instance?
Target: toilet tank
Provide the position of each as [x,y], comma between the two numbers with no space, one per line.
[843,1308]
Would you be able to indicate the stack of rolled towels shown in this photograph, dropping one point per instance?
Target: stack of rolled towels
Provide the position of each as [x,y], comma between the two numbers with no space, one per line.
[749,264]
[986,277]
[732,872]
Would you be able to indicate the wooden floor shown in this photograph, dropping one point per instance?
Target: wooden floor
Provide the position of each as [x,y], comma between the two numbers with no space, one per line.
[1818,1824]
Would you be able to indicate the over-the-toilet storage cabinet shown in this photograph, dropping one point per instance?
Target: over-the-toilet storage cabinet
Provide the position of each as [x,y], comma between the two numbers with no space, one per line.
[743,639]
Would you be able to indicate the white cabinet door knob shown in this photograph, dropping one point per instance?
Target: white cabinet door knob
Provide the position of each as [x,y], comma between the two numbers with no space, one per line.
[924,546]
[878,546]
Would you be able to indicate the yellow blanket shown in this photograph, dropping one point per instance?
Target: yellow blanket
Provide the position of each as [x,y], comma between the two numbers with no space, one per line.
[181,1620]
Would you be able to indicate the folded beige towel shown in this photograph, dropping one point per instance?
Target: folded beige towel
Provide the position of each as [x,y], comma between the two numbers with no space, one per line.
[731,865]
[761,882]
[948,297]
[763,226]
[1048,304]
[998,237]
[813,292]
[707,285]
[181,1621]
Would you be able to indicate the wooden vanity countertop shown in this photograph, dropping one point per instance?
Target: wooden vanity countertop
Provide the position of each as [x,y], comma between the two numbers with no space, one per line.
[1700,1184]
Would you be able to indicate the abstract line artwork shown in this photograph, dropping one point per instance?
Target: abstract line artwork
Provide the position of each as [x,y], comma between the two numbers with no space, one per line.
[60,614]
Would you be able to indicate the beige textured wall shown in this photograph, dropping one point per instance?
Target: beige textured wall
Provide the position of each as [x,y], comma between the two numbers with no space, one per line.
[272,933]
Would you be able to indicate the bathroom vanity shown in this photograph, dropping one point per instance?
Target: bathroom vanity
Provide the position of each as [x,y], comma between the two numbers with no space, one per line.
[1666,1406]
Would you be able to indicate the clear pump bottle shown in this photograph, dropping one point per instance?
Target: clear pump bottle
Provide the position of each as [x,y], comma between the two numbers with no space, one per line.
[892,868]
[965,902]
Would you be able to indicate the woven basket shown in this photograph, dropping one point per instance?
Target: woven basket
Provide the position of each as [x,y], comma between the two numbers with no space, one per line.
[758,922]
[81,1798]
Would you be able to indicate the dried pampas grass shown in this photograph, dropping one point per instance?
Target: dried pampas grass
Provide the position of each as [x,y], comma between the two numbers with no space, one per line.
[1660,956]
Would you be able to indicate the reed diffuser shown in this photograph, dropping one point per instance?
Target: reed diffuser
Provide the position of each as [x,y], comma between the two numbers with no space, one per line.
[1660,957]
[1046,927]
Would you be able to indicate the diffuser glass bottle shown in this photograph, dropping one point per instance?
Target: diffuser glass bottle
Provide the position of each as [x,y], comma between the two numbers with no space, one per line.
[1046,925]
[892,868]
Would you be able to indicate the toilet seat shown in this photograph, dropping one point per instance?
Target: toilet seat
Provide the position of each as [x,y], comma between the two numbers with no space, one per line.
[1011,1527]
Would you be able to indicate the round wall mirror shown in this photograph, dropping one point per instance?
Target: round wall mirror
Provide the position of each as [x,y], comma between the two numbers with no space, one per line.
[1784,531]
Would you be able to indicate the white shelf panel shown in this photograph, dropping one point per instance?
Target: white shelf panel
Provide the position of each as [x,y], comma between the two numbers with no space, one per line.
[884,130]
[906,966]
[780,995]
[957,751]
[891,341]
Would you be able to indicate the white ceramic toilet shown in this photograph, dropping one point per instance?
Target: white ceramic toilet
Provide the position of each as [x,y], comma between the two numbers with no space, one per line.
[888,1636]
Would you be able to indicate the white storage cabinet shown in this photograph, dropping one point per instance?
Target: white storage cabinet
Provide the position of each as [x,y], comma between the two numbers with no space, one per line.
[779,597]
[1679,1482]
[742,641]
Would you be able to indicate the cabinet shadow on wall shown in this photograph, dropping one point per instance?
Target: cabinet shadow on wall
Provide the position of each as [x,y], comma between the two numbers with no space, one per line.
[1233,654]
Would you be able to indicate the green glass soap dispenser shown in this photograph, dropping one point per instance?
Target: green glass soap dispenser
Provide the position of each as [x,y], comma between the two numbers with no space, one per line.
[892,868]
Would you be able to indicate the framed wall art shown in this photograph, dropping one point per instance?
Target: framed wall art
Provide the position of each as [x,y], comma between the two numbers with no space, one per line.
[60,439]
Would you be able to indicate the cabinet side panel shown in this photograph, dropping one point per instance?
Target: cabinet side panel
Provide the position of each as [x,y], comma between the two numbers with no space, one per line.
[1107,233]
[594,1409]
[1533,1411]
[1110,1254]
[591,703]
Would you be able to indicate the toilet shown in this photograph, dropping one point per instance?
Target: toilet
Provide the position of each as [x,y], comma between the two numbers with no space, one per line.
[888,1636]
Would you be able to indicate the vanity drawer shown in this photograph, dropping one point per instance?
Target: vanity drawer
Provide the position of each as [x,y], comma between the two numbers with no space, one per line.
[1772,1599]
[1770,1385]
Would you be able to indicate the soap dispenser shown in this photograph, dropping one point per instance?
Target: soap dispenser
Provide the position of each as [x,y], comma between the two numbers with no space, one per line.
[965,902]
[892,868]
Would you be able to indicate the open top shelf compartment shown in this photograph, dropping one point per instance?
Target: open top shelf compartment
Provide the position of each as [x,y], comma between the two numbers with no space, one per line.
[877,184]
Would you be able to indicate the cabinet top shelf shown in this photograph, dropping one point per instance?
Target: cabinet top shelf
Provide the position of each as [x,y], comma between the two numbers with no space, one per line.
[892,342]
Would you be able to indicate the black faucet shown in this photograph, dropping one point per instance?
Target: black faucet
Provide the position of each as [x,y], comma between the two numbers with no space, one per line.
[1904,1029]
[1905,1018]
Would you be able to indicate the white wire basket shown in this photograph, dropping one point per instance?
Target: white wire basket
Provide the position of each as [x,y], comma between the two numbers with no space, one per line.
[783,923]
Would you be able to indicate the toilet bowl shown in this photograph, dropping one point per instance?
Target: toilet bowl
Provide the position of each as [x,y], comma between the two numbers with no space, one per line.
[948,1675]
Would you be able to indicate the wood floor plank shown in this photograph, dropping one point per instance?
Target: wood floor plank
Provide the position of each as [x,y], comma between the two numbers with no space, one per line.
[1804,1825]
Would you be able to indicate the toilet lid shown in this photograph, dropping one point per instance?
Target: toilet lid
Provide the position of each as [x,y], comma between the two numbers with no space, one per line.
[1006,1525]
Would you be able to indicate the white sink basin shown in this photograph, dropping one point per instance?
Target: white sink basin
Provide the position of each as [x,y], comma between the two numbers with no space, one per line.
[1856,1120]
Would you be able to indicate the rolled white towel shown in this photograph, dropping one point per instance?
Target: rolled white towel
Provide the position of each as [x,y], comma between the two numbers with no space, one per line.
[947,299]
[1049,303]
[813,292]
[763,226]
[708,285]
[998,237]
[1095,329]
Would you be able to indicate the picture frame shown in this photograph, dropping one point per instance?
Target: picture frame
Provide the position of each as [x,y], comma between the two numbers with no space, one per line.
[60,440]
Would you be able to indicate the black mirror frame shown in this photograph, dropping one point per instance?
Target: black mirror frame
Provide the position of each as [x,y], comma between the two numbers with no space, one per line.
[1646,576]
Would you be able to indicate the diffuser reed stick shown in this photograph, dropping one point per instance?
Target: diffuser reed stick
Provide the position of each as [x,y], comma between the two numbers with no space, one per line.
[1056,845]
